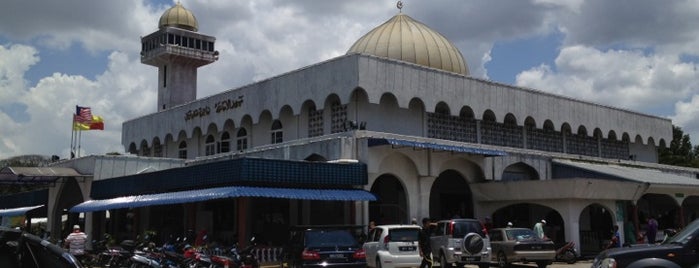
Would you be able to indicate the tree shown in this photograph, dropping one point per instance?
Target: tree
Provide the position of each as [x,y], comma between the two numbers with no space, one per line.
[680,152]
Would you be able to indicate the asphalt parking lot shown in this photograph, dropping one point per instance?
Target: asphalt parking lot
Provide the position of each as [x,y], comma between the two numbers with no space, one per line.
[579,264]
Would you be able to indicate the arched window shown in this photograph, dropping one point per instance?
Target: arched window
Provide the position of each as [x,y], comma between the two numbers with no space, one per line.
[157,148]
[182,153]
[210,145]
[225,142]
[145,150]
[338,117]
[277,134]
[315,122]
[241,140]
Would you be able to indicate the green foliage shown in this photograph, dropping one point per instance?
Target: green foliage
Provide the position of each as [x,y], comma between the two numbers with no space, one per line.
[680,152]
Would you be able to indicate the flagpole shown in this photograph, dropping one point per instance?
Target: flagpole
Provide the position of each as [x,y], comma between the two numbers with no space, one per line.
[72,138]
[80,139]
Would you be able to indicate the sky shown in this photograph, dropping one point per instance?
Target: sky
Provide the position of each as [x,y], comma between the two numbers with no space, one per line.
[639,55]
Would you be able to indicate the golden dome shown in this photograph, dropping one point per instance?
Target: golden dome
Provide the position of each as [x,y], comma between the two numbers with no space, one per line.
[179,17]
[403,38]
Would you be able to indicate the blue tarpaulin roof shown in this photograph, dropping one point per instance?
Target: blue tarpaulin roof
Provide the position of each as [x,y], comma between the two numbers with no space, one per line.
[436,146]
[11,212]
[240,171]
[222,192]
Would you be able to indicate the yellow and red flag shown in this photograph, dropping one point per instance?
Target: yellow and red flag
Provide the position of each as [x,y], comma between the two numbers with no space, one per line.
[96,123]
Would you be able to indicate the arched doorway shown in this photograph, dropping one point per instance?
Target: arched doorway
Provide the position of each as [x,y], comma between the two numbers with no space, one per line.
[69,196]
[596,225]
[690,207]
[661,206]
[450,197]
[392,204]
[526,215]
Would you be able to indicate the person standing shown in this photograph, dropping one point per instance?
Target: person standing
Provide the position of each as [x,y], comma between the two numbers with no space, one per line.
[424,243]
[615,240]
[75,242]
[652,230]
[539,229]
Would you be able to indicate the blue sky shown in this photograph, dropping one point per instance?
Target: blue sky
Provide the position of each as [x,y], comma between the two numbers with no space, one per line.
[639,55]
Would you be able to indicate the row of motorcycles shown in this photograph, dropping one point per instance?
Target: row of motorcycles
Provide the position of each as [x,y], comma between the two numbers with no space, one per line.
[177,254]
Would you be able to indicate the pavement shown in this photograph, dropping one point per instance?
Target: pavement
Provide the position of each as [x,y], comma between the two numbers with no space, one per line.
[579,264]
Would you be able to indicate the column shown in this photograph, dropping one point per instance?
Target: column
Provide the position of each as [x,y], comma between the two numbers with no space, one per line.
[424,187]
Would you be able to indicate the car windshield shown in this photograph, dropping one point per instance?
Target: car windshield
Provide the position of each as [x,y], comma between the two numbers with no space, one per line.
[326,238]
[404,234]
[466,227]
[520,234]
[684,236]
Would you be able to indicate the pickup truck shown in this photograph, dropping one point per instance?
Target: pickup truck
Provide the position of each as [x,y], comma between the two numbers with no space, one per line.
[681,250]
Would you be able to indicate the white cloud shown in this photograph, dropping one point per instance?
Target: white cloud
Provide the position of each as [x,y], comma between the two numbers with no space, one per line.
[619,78]
[15,60]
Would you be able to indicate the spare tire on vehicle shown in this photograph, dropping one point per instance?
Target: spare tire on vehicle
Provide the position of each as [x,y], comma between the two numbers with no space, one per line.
[472,244]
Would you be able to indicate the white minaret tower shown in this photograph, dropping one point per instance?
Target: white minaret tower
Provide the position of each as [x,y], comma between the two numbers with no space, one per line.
[177,50]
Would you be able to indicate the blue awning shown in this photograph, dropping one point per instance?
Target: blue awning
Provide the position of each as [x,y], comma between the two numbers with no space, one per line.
[436,146]
[223,192]
[11,212]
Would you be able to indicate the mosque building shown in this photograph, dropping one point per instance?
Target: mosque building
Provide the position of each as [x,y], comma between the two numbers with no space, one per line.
[394,129]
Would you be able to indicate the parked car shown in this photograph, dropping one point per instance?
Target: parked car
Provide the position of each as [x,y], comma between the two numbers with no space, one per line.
[19,249]
[680,250]
[461,241]
[520,244]
[323,246]
[390,246]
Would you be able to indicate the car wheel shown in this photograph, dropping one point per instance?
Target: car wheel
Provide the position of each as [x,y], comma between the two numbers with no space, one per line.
[502,260]
[378,263]
[542,264]
[443,261]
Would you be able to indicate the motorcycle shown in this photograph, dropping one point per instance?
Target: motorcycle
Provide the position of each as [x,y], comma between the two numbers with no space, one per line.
[567,253]
[116,256]
[235,258]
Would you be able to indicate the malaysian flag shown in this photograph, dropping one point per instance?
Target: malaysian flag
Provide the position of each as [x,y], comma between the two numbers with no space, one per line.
[83,114]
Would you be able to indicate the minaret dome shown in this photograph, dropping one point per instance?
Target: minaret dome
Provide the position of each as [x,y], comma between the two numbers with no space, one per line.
[180,17]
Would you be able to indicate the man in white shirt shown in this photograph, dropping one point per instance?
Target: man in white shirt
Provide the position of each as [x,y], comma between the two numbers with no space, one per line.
[75,242]
[539,229]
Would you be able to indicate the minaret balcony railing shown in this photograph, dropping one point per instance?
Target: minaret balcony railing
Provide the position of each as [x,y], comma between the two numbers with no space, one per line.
[205,55]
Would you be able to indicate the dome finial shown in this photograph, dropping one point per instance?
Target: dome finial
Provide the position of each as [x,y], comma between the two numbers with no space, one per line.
[399,5]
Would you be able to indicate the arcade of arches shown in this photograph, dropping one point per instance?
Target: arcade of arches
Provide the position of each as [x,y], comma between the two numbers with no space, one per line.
[450,195]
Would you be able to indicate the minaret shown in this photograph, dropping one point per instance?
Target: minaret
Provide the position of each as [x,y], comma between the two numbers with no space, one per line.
[177,49]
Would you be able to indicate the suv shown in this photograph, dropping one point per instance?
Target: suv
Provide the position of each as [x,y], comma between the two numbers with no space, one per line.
[390,246]
[324,246]
[681,250]
[460,241]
